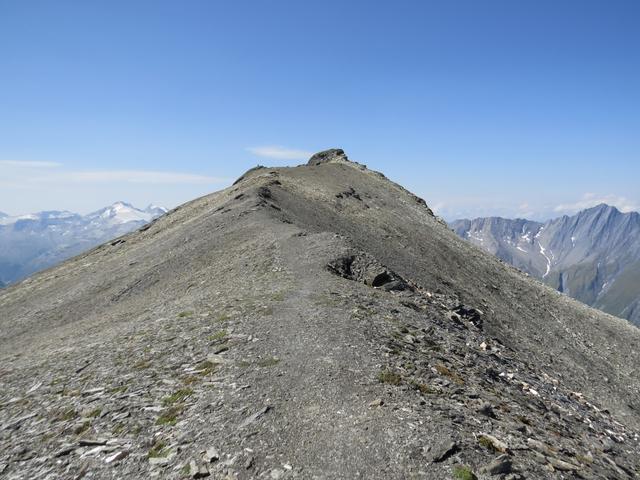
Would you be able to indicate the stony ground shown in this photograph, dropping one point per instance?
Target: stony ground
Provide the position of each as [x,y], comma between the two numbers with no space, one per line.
[281,329]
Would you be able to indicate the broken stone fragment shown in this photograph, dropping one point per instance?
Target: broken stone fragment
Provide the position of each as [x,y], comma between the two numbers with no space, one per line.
[162,460]
[499,466]
[252,418]
[277,473]
[442,451]
[90,442]
[211,455]
[116,457]
[562,465]
[198,470]
[497,445]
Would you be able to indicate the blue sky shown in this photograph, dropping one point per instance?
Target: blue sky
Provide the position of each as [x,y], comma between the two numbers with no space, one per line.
[528,108]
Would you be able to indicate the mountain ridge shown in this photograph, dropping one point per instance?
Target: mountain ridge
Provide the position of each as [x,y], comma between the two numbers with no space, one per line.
[593,256]
[310,322]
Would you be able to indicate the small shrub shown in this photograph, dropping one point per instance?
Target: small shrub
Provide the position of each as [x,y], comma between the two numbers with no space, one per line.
[185,314]
[118,429]
[159,450]
[82,428]
[95,412]
[190,380]
[177,396]
[66,415]
[207,367]
[424,388]
[169,416]
[218,336]
[463,473]
[268,362]
[442,370]
[142,364]
[387,376]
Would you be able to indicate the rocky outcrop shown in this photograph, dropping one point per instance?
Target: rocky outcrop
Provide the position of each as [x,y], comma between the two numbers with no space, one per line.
[327,156]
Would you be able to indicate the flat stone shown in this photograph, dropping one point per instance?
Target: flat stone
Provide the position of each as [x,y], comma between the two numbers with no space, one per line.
[442,451]
[65,450]
[197,470]
[90,442]
[277,473]
[116,457]
[252,418]
[161,460]
[562,465]
[497,445]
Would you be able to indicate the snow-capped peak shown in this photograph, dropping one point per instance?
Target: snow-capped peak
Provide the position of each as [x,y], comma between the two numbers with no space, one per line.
[121,212]
[155,209]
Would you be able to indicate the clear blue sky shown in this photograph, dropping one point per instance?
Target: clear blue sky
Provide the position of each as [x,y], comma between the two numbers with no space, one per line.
[481,107]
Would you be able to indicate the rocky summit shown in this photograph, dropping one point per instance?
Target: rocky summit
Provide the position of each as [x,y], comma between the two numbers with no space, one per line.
[315,322]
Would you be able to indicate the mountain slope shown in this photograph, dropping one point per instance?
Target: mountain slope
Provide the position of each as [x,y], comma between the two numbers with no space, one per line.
[310,322]
[33,242]
[593,256]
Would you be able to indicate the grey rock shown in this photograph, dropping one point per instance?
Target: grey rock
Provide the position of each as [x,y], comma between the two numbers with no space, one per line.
[442,451]
[257,415]
[559,464]
[116,457]
[277,473]
[88,442]
[160,460]
[198,470]
[211,455]
[498,466]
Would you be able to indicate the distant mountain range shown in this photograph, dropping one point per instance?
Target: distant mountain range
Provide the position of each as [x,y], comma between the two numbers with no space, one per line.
[593,256]
[29,243]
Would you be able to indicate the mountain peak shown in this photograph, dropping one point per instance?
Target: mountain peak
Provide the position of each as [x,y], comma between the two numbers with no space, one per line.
[152,208]
[603,207]
[119,205]
[327,300]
